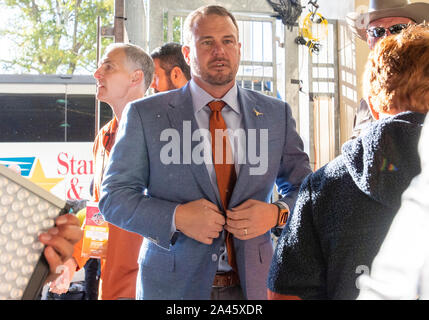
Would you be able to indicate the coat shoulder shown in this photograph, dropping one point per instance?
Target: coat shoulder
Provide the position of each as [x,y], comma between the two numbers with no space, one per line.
[161,101]
[257,96]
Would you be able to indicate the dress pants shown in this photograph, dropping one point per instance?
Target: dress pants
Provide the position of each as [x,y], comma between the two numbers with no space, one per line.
[227,293]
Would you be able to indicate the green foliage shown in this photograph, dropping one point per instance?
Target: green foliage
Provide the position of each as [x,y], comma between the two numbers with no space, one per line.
[176,30]
[56,36]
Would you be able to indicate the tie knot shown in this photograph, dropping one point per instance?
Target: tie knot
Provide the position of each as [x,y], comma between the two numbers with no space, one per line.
[216,105]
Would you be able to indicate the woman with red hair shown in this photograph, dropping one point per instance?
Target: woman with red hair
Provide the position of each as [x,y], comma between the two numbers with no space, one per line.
[344,210]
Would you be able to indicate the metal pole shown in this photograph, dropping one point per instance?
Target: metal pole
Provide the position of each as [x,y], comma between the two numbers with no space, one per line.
[337,105]
[118,26]
[97,102]
[292,81]
[65,117]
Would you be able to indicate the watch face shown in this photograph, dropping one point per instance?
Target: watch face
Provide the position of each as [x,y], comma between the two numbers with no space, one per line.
[283,214]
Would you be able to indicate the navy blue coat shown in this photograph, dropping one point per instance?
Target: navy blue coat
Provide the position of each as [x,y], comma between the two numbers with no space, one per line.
[344,210]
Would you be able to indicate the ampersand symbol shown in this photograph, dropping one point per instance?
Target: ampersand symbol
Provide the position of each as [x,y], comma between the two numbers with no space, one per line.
[73,188]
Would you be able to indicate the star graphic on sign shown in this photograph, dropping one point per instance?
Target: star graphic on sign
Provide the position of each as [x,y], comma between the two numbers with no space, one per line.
[41,180]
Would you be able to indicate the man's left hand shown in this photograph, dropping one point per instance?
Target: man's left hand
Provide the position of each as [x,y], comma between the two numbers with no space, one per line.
[251,219]
[59,242]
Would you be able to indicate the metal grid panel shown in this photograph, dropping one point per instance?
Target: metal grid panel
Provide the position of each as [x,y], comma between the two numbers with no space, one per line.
[26,210]
[323,86]
[257,69]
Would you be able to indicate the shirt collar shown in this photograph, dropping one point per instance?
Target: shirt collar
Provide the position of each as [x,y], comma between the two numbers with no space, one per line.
[201,98]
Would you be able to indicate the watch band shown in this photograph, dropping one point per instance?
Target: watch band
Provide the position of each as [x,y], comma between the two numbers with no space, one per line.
[283,214]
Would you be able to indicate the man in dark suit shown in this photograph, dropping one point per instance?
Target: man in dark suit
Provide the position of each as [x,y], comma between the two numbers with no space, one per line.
[192,171]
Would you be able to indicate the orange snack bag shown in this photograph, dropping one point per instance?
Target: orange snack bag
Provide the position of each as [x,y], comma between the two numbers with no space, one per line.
[96,233]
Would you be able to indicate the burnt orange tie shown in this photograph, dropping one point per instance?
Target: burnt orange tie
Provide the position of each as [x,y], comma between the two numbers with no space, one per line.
[224,167]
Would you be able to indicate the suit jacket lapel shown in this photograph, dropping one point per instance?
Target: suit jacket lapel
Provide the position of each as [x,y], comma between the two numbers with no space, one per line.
[253,118]
[181,111]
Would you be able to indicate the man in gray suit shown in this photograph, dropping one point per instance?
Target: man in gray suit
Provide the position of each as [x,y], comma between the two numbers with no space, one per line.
[206,224]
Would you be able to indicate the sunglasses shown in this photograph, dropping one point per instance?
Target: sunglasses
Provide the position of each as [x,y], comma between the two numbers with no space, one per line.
[379,32]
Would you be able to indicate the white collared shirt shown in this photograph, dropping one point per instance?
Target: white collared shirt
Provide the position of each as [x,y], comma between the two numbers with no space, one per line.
[233,118]
[230,113]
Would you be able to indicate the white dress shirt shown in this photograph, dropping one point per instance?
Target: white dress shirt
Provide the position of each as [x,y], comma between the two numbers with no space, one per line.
[234,121]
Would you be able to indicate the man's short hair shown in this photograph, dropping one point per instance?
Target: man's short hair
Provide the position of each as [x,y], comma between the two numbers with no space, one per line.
[203,12]
[138,58]
[397,71]
[170,56]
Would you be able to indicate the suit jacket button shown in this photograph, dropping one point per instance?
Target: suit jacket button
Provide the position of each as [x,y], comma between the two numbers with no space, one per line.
[214,257]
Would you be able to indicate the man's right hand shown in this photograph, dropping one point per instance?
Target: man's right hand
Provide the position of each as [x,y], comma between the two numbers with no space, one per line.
[200,220]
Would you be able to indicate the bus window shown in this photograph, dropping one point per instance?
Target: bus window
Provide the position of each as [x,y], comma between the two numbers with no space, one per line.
[49,117]
[81,117]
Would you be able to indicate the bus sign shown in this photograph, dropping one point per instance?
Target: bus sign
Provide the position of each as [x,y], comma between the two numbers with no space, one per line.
[64,169]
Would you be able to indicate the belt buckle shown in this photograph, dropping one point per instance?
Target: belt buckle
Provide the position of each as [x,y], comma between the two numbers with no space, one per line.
[227,279]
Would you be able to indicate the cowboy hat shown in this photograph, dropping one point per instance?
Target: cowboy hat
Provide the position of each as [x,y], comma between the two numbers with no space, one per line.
[358,22]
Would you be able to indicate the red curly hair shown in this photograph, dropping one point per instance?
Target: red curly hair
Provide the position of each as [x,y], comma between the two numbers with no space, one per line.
[397,72]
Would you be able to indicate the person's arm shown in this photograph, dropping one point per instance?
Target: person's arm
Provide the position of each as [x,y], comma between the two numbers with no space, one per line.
[122,201]
[295,164]
[70,266]
[297,269]
[62,282]
[75,263]
[59,242]
[253,218]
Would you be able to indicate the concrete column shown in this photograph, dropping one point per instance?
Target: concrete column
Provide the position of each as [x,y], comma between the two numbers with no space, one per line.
[136,22]
[118,25]
[292,73]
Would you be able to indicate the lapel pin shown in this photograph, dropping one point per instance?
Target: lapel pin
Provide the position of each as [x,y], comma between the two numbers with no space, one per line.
[257,112]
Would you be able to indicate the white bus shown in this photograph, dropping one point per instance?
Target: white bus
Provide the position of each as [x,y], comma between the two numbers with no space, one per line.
[47,127]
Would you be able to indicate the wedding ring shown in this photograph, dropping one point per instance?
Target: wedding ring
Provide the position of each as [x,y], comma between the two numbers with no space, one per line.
[245,231]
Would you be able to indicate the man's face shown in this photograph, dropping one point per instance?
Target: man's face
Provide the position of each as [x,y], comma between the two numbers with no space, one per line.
[161,81]
[214,52]
[384,23]
[113,77]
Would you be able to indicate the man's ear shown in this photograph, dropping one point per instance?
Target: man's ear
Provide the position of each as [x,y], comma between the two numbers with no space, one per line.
[175,73]
[137,77]
[186,50]
[375,114]
[176,77]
